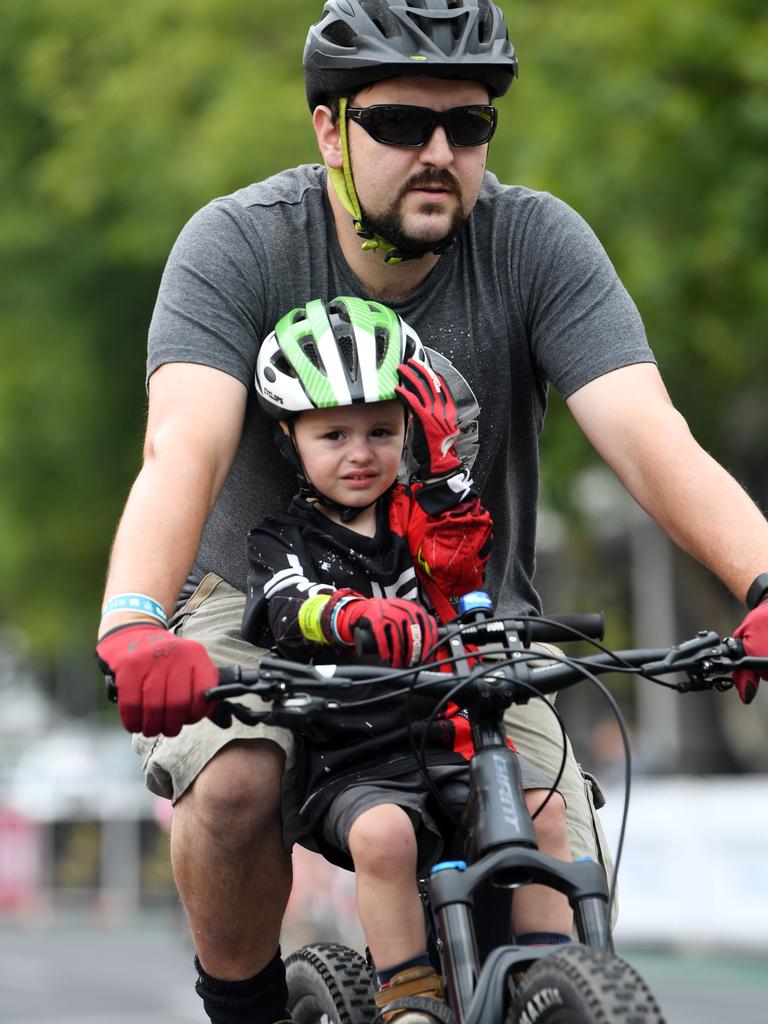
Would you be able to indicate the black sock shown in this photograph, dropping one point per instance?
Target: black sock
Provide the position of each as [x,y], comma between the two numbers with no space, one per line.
[261,999]
[384,977]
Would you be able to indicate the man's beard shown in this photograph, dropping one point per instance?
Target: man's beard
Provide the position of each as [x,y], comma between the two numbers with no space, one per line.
[390,223]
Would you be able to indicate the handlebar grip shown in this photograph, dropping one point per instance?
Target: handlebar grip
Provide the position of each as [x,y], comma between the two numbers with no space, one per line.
[562,627]
[366,648]
[736,647]
[230,674]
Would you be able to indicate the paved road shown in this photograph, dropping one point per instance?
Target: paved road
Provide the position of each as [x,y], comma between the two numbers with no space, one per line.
[77,973]
[711,989]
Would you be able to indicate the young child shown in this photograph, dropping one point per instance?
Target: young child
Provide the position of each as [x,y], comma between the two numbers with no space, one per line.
[357,547]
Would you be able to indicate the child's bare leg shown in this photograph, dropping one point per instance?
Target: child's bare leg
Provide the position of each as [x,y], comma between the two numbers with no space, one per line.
[536,908]
[382,843]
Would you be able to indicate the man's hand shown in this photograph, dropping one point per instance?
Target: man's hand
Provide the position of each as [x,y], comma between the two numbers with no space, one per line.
[434,420]
[161,678]
[404,632]
[753,633]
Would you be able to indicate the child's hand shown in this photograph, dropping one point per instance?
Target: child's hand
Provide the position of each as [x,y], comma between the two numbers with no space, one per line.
[405,633]
[434,420]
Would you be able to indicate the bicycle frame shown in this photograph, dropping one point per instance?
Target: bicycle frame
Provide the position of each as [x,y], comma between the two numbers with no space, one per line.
[502,852]
[500,849]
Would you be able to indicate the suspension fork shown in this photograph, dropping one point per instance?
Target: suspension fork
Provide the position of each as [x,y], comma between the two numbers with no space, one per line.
[452,906]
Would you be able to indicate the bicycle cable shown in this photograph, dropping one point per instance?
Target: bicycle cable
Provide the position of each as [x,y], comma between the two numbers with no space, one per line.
[420,753]
[616,710]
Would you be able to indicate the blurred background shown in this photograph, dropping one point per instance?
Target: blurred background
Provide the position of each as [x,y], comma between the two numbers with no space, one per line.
[119,121]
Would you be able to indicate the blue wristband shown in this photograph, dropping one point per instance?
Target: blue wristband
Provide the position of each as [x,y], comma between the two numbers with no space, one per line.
[334,614]
[135,603]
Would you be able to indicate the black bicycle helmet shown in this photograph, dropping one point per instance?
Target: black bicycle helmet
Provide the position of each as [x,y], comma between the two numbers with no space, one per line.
[358,42]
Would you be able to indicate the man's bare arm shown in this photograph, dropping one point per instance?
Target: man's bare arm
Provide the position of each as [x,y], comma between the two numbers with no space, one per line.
[629,418]
[194,426]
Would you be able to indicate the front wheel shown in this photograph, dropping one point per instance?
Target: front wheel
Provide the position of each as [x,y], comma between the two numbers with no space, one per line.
[579,985]
[329,984]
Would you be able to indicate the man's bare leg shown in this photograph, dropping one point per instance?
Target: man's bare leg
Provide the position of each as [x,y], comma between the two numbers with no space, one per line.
[537,908]
[231,868]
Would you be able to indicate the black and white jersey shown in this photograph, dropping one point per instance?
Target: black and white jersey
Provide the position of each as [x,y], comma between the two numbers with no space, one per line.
[300,553]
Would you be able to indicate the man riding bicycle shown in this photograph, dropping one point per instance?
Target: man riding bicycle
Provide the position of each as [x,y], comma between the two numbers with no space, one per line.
[512,287]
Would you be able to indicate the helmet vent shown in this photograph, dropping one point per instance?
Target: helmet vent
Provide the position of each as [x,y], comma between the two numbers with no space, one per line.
[309,350]
[443,34]
[379,13]
[341,34]
[381,345]
[282,365]
[484,25]
[348,353]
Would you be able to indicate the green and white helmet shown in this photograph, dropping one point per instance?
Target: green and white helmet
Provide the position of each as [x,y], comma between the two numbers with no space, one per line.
[334,353]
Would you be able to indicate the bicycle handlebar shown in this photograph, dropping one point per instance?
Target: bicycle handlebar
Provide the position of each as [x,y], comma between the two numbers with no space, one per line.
[484,629]
[301,690]
[298,689]
[541,629]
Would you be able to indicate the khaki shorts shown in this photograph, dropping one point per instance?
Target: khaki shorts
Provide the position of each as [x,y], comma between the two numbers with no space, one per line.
[213,615]
[537,735]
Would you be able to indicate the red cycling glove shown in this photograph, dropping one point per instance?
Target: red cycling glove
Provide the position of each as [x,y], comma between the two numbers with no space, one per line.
[753,633]
[404,632]
[434,419]
[161,678]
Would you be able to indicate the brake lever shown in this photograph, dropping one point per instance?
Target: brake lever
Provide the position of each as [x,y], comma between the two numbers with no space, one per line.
[677,655]
[299,708]
[704,673]
[288,712]
[699,681]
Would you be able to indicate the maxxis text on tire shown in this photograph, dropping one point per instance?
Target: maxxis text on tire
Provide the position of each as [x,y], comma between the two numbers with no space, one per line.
[578,985]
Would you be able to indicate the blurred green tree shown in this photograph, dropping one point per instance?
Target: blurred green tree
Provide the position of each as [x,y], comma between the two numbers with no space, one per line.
[651,119]
[119,122]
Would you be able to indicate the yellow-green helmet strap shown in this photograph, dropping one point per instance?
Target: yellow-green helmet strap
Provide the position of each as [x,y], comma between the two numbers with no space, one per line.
[344,185]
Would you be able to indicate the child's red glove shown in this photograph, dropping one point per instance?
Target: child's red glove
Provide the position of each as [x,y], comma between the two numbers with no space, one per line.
[434,420]
[405,633]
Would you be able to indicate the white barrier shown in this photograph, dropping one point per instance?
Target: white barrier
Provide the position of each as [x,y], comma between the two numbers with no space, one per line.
[695,863]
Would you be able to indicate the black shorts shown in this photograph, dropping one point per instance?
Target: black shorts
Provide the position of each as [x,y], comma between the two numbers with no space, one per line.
[409,792]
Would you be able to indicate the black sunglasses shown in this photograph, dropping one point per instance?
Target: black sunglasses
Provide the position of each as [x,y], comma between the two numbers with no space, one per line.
[396,124]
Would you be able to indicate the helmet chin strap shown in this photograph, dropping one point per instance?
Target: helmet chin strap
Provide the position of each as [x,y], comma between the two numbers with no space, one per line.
[344,186]
[346,512]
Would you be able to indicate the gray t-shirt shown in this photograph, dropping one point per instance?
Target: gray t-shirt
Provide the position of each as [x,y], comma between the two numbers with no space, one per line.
[527,298]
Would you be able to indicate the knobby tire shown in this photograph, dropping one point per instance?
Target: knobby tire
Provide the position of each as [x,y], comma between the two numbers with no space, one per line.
[329,984]
[578,985]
